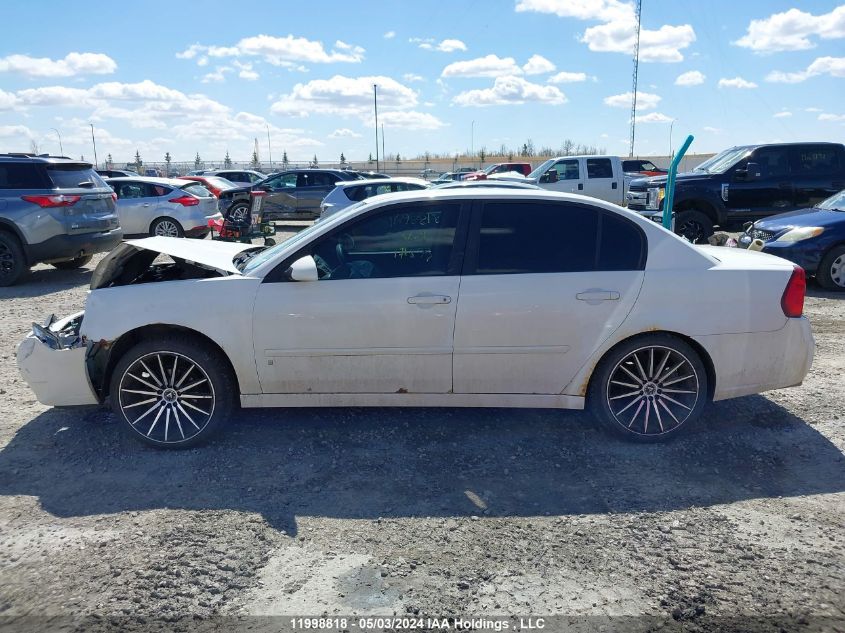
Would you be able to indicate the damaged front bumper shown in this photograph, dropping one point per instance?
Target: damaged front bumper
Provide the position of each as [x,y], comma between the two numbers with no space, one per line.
[52,361]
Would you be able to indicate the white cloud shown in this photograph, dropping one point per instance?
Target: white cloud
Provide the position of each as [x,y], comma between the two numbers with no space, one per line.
[389,35]
[246,70]
[288,51]
[15,131]
[654,117]
[487,66]
[645,100]
[617,33]
[72,64]
[444,46]
[690,78]
[409,120]
[344,132]
[7,100]
[564,77]
[792,29]
[538,65]
[833,66]
[736,82]
[812,109]
[782,115]
[412,77]
[511,90]
[217,76]
[831,117]
[712,130]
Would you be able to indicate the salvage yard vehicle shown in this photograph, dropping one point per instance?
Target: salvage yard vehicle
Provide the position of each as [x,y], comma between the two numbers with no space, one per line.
[239,177]
[53,210]
[349,192]
[595,176]
[499,168]
[464,298]
[293,194]
[215,184]
[813,238]
[744,184]
[168,207]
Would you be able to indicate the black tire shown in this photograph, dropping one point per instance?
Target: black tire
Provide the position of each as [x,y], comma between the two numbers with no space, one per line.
[693,225]
[159,224]
[831,272]
[172,374]
[13,262]
[640,372]
[239,213]
[73,264]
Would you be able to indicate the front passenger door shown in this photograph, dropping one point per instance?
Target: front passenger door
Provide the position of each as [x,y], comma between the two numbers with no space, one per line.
[281,196]
[565,175]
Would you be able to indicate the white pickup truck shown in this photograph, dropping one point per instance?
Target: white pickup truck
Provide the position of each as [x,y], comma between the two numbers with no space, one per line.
[596,176]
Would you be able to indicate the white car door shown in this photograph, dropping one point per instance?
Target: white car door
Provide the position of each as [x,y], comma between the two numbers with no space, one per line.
[133,207]
[601,182]
[381,316]
[544,284]
[565,175]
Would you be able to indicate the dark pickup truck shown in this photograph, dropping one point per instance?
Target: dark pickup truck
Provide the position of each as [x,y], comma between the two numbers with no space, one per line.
[744,184]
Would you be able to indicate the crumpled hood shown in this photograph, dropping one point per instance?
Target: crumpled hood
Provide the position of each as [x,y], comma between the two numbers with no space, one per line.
[801,217]
[211,254]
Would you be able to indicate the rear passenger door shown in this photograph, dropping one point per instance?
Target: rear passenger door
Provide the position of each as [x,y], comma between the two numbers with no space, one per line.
[818,172]
[311,188]
[601,182]
[543,285]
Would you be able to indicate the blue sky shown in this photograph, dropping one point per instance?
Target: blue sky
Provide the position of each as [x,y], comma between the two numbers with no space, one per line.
[209,78]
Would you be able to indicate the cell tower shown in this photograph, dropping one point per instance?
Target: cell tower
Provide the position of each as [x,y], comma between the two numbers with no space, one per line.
[634,89]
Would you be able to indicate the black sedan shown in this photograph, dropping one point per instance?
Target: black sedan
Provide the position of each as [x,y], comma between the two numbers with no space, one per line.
[813,238]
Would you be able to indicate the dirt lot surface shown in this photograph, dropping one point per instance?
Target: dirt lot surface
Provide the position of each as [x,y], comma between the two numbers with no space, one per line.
[737,526]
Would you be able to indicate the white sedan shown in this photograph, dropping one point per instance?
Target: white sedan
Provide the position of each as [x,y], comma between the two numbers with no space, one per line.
[456,298]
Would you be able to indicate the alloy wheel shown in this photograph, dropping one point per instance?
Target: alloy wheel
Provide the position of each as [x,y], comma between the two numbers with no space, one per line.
[7,260]
[166,228]
[837,271]
[692,230]
[239,214]
[166,397]
[652,391]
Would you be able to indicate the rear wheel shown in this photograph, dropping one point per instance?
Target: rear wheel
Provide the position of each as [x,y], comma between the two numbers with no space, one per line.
[649,388]
[166,227]
[72,264]
[172,392]
[831,272]
[239,213]
[13,262]
[693,225]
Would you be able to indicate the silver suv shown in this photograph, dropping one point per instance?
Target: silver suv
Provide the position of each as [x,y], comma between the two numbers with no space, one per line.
[53,210]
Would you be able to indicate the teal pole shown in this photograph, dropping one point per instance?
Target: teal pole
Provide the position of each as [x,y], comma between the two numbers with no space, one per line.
[668,220]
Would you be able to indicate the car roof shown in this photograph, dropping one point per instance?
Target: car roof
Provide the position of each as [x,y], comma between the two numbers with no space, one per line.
[481,184]
[18,157]
[170,182]
[382,181]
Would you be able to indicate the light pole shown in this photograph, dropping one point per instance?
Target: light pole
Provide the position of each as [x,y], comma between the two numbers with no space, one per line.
[94,141]
[61,149]
[375,107]
[671,125]
[472,141]
[269,151]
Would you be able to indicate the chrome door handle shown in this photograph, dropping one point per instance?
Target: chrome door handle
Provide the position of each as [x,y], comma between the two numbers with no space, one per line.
[595,295]
[429,299]
[146,204]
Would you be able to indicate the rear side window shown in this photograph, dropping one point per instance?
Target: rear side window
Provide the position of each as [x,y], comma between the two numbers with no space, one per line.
[197,190]
[599,168]
[70,176]
[18,176]
[527,237]
[156,191]
[815,160]
[356,194]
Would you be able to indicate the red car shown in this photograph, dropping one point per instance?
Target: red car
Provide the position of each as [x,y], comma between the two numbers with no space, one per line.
[215,184]
[643,167]
[499,168]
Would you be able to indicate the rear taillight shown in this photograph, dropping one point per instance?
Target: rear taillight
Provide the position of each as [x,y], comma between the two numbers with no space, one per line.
[792,301]
[48,202]
[186,201]
[114,196]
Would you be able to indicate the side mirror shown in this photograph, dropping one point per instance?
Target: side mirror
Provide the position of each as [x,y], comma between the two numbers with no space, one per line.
[303,269]
[752,171]
[552,174]
[264,188]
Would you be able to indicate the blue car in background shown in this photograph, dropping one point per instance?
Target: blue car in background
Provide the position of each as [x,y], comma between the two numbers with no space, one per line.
[813,238]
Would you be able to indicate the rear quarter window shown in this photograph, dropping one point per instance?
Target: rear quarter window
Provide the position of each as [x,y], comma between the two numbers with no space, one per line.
[18,176]
[70,176]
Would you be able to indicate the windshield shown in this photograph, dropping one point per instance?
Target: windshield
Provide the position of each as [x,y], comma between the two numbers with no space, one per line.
[834,203]
[542,169]
[246,266]
[723,161]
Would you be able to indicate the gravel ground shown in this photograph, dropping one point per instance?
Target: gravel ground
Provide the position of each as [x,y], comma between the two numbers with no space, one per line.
[441,512]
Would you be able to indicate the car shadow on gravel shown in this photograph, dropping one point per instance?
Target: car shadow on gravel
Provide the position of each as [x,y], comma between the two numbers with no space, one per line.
[49,280]
[370,463]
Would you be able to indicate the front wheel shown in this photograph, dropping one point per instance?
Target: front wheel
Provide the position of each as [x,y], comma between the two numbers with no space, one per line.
[831,272]
[693,225]
[172,392]
[650,388]
[13,262]
[75,263]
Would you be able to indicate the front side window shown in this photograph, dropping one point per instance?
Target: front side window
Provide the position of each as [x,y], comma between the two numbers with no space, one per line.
[599,168]
[412,241]
[531,237]
[567,170]
[252,178]
[772,161]
[282,181]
